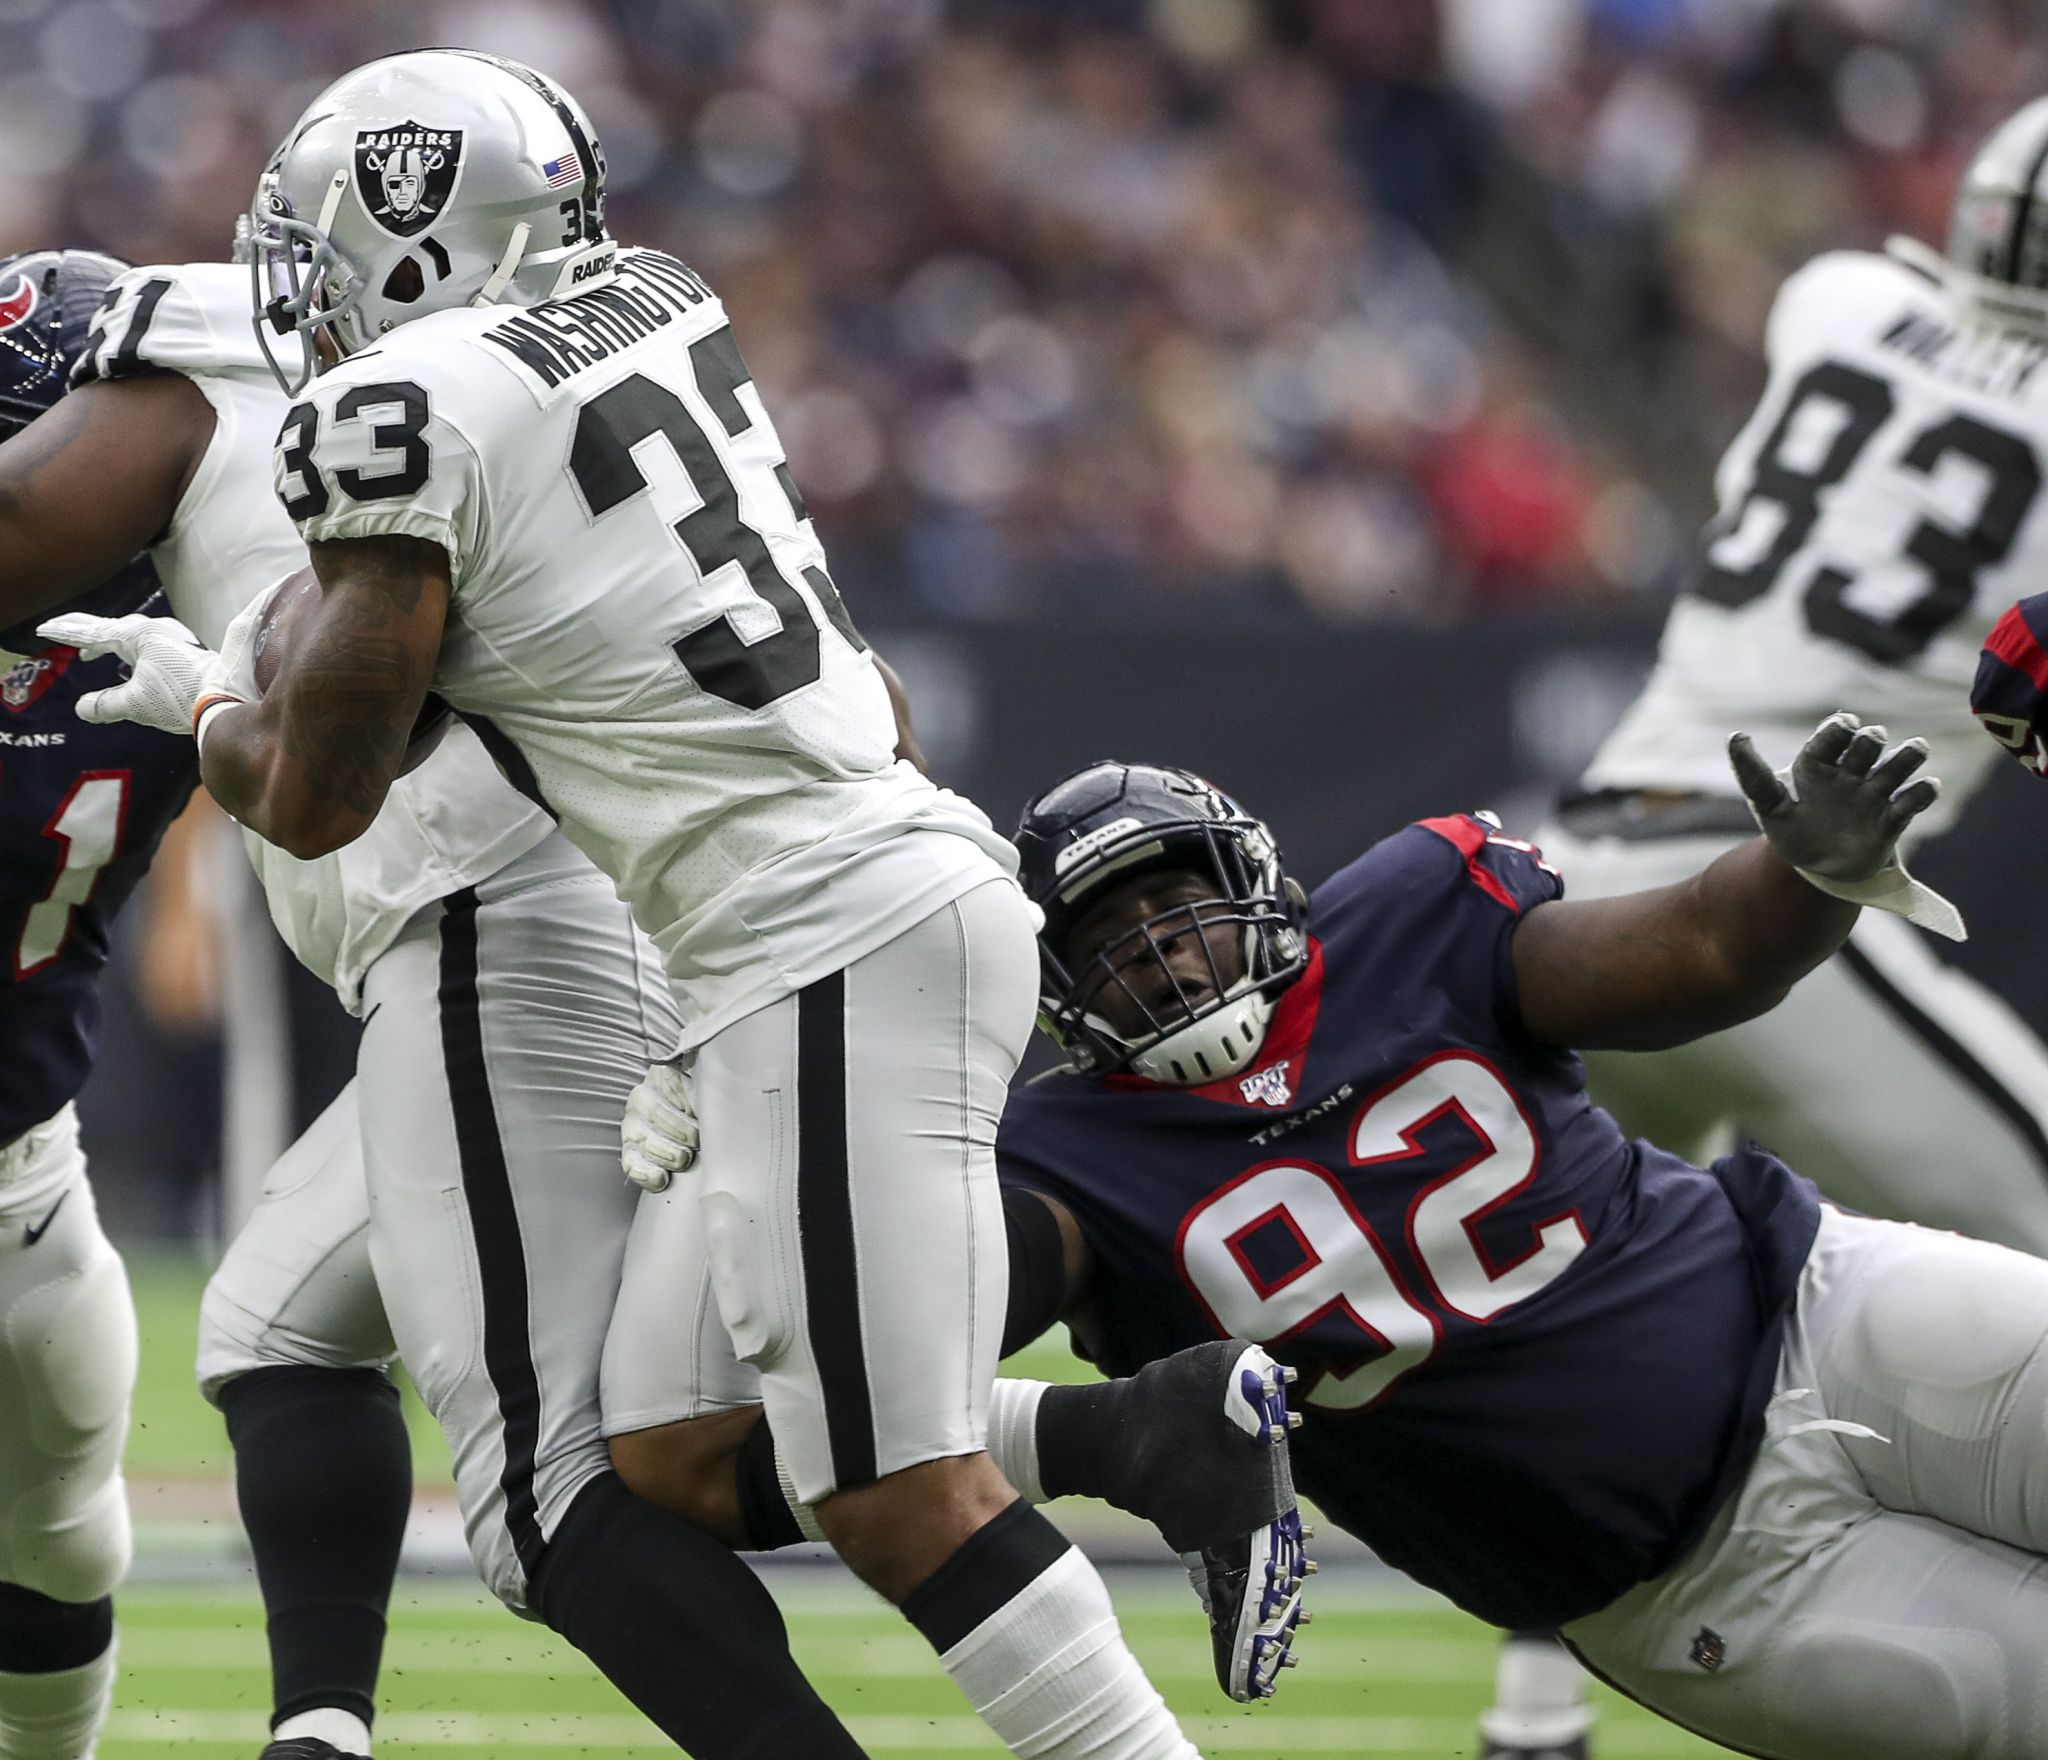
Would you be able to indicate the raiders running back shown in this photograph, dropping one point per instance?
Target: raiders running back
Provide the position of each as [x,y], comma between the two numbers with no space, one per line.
[642,627]
[1883,504]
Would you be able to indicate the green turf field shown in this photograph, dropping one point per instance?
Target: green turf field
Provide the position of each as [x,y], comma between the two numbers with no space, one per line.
[1385,1670]
[1390,1680]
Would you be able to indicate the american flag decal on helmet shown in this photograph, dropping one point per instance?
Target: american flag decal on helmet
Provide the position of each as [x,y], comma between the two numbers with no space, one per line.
[562,172]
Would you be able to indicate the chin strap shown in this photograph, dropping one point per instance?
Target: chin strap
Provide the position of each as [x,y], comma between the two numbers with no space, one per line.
[508,266]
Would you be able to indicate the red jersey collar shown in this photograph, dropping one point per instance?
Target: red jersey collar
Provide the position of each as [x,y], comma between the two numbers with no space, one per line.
[1276,1077]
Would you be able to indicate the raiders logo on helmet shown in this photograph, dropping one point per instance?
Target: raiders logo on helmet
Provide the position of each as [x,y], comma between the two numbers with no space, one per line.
[406,174]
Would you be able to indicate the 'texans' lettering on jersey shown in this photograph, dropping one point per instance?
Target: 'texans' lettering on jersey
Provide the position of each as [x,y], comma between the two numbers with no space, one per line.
[1998,363]
[558,340]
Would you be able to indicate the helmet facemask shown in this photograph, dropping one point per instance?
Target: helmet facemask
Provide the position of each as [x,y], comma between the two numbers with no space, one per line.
[300,283]
[1137,1001]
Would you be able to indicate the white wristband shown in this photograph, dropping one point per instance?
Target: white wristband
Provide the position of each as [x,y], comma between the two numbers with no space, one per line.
[1892,889]
[208,712]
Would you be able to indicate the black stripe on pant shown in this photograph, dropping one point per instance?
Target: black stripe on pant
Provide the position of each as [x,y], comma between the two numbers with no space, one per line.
[825,1229]
[1951,1050]
[494,1225]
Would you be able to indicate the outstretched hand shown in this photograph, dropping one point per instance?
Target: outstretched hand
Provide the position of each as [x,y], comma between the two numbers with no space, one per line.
[1840,807]
[1837,811]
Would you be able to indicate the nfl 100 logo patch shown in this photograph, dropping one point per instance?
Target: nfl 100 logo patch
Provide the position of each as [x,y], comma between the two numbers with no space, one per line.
[26,680]
[405,174]
[1272,1086]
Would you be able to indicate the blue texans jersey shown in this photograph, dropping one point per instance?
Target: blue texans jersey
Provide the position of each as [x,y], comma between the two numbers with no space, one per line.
[1534,1355]
[82,809]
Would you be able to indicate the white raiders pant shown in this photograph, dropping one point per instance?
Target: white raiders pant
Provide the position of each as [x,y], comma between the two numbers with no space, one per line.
[842,1227]
[1896,1083]
[67,1369]
[1878,1587]
[504,1030]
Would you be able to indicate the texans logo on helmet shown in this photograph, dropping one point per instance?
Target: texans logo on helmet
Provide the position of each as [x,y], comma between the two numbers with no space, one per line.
[17,300]
[406,174]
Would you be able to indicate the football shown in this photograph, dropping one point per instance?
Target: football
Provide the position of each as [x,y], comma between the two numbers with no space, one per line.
[287,605]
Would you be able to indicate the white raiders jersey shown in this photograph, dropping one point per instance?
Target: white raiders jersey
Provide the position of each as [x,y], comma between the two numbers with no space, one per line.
[642,626]
[1879,510]
[454,820]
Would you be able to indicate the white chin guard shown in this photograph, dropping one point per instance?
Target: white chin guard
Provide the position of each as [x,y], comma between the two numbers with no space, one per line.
[1218,1045]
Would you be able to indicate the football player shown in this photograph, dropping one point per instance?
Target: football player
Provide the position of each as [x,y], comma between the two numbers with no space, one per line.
[534,473]
[82,809]
[1876,512]
[1772,1466]
[1882,505]
[295,1298]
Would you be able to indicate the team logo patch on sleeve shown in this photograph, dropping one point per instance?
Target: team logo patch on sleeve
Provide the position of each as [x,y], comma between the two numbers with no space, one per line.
[406,174]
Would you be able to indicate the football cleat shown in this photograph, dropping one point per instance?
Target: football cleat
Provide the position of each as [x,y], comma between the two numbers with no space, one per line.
[1574,1749]
[1250,1584]
[307,1748]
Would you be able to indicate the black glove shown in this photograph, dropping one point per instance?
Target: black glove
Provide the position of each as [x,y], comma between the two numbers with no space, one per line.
[1837,811]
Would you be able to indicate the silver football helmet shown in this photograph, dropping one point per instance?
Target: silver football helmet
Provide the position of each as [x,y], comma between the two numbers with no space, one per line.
[1996,267]
[415,184]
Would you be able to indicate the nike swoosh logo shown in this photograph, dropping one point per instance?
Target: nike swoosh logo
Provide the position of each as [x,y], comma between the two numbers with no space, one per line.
[31,1235]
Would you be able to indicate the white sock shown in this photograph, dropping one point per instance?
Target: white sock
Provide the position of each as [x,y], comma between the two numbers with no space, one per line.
[344,1729]
[1539,1696]
[1050,1673]
[1013,1435]
[56,1716]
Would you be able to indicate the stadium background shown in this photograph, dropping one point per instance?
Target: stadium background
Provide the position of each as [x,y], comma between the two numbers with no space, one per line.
[1322,393]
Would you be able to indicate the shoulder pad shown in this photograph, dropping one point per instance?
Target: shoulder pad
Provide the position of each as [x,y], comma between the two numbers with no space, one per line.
[1818,299]
[192,318]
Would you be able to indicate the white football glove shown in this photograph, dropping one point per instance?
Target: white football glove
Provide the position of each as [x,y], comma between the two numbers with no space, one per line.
[170,668]
[1836,813]
[659,1137]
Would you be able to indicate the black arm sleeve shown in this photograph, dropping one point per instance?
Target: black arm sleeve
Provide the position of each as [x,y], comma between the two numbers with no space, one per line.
[1038,1275]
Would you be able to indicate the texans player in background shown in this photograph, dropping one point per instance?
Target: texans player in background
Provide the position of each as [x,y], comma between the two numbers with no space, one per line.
[82,809]
[1772,1467]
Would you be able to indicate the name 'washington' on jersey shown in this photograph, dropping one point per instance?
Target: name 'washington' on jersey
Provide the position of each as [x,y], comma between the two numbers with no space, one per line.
[1535,1355]
[1878,511]
[448,824]
[642,626]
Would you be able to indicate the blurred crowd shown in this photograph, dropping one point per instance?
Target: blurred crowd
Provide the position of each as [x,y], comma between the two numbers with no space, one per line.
[1206,309]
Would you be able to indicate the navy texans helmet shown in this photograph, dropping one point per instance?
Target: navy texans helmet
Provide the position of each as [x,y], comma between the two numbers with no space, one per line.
[47,302]
[47,299]
[1111,822]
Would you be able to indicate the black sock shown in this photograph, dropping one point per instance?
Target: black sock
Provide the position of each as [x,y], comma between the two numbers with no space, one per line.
[764,1506]
[323,1473]
[41,1636]
[994,1565]
[1038,1267]
[1083,1438]
[680,1625]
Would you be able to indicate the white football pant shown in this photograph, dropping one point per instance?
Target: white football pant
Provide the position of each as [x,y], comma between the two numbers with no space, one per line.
[505,1028]
[67,1370]
[1878,1587]
[842,1227]
[1897,1084]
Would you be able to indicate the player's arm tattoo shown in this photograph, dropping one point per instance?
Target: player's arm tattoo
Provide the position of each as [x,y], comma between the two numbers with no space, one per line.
[90,482]
[308,766]
[1647,970]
